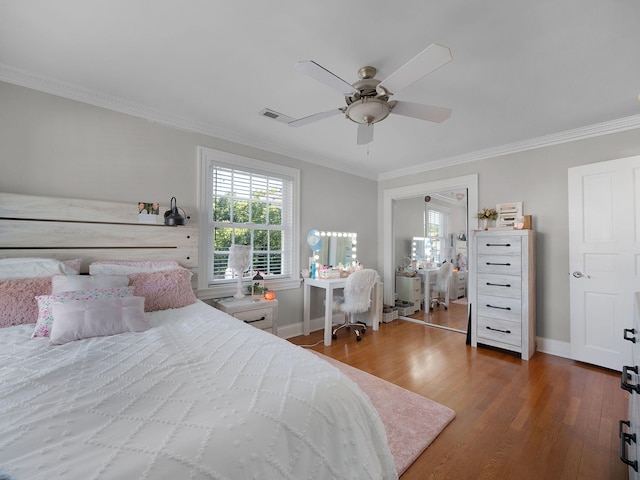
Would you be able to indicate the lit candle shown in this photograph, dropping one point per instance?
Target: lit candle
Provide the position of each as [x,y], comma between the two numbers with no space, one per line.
[269,295]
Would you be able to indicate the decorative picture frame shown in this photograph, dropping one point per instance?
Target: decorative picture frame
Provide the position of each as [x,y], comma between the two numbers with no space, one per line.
[507,213]
[148,212]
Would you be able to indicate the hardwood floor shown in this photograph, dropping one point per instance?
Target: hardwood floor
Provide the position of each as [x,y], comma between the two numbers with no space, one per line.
[455,317]
[549,418]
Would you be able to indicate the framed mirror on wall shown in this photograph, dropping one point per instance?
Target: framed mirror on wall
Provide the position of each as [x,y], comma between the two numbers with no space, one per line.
[425,226]
[338,248]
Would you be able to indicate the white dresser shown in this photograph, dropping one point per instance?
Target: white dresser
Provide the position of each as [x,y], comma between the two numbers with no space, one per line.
[409,289]
[503,299]
[629,429]
[458,284]
[262,314]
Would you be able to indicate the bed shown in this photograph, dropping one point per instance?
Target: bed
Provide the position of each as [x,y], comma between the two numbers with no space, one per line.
[194,394]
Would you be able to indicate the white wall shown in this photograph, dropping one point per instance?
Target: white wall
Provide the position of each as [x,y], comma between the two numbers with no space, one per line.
[54,146]
[539,179]
[58,147]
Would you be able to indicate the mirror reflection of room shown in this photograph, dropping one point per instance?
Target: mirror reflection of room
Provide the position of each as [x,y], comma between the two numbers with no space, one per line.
[430,237]
[336,255]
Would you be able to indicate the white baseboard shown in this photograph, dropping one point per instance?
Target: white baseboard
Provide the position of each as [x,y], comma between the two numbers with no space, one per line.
[553,347]
[544,345]
[295,329]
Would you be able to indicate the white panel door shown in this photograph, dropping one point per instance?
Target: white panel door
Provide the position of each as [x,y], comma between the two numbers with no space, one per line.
[604,259]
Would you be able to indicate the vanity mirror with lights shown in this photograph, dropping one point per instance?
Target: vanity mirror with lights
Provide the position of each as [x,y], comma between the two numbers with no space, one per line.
[338,248]
[422,252]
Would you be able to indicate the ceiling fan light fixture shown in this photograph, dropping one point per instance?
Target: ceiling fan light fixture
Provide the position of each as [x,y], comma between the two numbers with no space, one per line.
[368,110]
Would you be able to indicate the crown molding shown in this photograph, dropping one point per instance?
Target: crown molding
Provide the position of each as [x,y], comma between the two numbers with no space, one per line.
[59,88]
[604,128]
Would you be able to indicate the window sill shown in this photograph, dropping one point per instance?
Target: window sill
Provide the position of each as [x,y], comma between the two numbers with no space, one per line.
[229,289]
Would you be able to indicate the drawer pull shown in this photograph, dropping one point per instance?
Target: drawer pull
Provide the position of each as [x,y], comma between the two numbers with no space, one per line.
[498,330]
[257,320]
[498,284]
[626,376]
[501,308]
[632,331]
[498,244]
[626,438]
[501,264]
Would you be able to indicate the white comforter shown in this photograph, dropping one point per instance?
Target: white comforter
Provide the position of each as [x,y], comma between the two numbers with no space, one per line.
[198,396]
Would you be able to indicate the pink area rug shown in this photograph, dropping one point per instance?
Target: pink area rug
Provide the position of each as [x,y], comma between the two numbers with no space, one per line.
[411,421]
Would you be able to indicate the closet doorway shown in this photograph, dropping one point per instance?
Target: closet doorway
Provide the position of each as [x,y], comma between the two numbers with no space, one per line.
[409,214]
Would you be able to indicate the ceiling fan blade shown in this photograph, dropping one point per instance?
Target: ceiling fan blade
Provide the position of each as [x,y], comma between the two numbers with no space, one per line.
[322,75]
[430,113]
[427,61]
[314,118]
[365,133]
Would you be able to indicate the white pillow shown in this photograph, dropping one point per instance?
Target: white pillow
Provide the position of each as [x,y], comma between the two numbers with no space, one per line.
[62,283]
[11,268]
[102,317]
[126,268]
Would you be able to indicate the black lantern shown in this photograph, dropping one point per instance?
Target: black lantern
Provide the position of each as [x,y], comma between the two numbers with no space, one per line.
[173,217]
[257,286]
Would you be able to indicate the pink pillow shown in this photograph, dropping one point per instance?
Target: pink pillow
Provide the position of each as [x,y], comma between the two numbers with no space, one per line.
[165,289]
[18,303]
[80,319]
[45,304]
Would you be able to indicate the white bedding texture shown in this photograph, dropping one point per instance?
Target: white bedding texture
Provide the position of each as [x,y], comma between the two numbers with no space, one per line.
[199,395]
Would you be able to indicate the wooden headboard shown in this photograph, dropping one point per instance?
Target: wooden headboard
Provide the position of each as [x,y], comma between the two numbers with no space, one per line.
[62,228]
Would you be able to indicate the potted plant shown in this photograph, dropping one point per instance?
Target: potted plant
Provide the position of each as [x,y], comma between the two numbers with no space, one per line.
[485,215]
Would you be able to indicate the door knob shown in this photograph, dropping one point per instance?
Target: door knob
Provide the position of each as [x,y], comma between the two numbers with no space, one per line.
[580,275]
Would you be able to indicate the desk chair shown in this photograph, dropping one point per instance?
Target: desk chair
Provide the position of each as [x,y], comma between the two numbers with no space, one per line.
[440,290]
[356,299]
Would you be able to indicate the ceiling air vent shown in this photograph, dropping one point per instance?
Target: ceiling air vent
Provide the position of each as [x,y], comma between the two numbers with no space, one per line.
[276,116]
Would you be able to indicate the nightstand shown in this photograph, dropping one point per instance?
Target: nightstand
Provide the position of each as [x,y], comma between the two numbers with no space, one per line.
[262,314]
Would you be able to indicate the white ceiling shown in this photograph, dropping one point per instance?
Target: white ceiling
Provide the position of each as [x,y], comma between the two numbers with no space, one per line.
[523,72]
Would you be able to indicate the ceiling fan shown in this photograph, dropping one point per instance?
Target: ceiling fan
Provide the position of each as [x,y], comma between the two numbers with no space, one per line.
[368,99]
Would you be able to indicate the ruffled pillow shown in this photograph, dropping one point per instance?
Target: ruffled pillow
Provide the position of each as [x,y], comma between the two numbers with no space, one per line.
[78,319]
[45,304]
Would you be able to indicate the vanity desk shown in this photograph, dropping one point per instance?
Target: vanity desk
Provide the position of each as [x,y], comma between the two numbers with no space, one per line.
[372,317]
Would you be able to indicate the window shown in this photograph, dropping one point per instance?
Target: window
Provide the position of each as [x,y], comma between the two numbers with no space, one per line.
[435,230]
[248,202]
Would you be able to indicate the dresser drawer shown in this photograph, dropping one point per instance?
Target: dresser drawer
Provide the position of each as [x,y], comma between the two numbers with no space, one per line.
[503,308]
[501,264]
[409,289]
[503,293]
[499,245]
[260,318]
[499,331]
[499,285]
